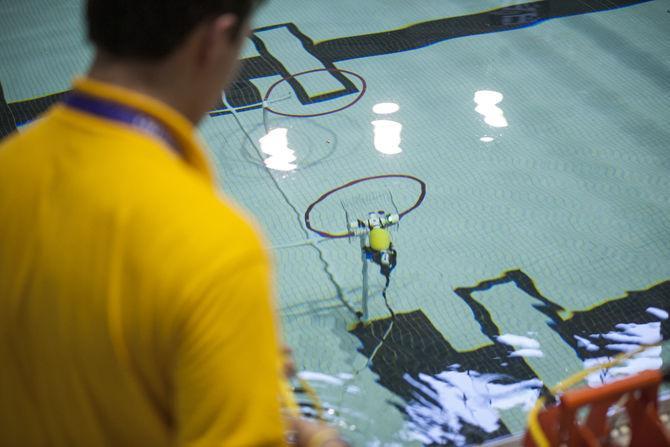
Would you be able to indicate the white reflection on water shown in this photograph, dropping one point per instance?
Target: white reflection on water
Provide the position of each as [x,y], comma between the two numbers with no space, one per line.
[385,108]
[487,101]
[387,136]
[275,144]
[658,313]
[586,344]
[524,346]
[338,380]
[331,389]
[626,338]
[313,376]
[443,403]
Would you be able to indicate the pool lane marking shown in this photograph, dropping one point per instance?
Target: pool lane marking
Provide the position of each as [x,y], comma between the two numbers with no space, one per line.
[364,46]
[361,93]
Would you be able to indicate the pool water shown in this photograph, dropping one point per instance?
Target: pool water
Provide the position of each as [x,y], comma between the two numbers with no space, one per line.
[525,147]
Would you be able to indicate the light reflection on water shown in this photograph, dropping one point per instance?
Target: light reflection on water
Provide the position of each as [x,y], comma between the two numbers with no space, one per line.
[626,338]
[442,406]
[275,144]
[387,136]
[444,403]
[487,105]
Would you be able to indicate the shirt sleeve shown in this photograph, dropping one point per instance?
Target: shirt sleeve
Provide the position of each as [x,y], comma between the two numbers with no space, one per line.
[228,368]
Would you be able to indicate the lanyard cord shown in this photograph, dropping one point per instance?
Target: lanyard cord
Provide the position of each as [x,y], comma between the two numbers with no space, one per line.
[123,114]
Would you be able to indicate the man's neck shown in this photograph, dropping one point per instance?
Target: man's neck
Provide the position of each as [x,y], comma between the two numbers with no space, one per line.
[154,80]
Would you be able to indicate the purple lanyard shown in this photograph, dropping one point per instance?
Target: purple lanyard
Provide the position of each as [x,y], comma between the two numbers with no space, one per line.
[120,113]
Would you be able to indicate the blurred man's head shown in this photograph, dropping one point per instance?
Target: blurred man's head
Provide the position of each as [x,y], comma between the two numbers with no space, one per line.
[194,42]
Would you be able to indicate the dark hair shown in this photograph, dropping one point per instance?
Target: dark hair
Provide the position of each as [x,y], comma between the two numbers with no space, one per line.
[152,29]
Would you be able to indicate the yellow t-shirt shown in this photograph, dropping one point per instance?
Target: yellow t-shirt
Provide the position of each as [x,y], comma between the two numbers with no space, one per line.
[135,302]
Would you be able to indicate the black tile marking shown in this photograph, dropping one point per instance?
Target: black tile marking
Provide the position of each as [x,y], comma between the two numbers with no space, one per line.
[245,96]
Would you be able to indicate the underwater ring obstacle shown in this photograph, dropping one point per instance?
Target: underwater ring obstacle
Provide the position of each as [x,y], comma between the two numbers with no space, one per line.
[376,243]
[401,214]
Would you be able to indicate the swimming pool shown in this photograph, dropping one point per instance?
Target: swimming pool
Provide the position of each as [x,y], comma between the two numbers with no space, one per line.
[525,146]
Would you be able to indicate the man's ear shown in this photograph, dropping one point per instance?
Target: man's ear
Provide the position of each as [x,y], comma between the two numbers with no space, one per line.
[217,37]
[228,26]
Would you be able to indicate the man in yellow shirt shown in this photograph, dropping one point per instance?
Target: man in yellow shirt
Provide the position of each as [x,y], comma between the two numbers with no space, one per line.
[135,301]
